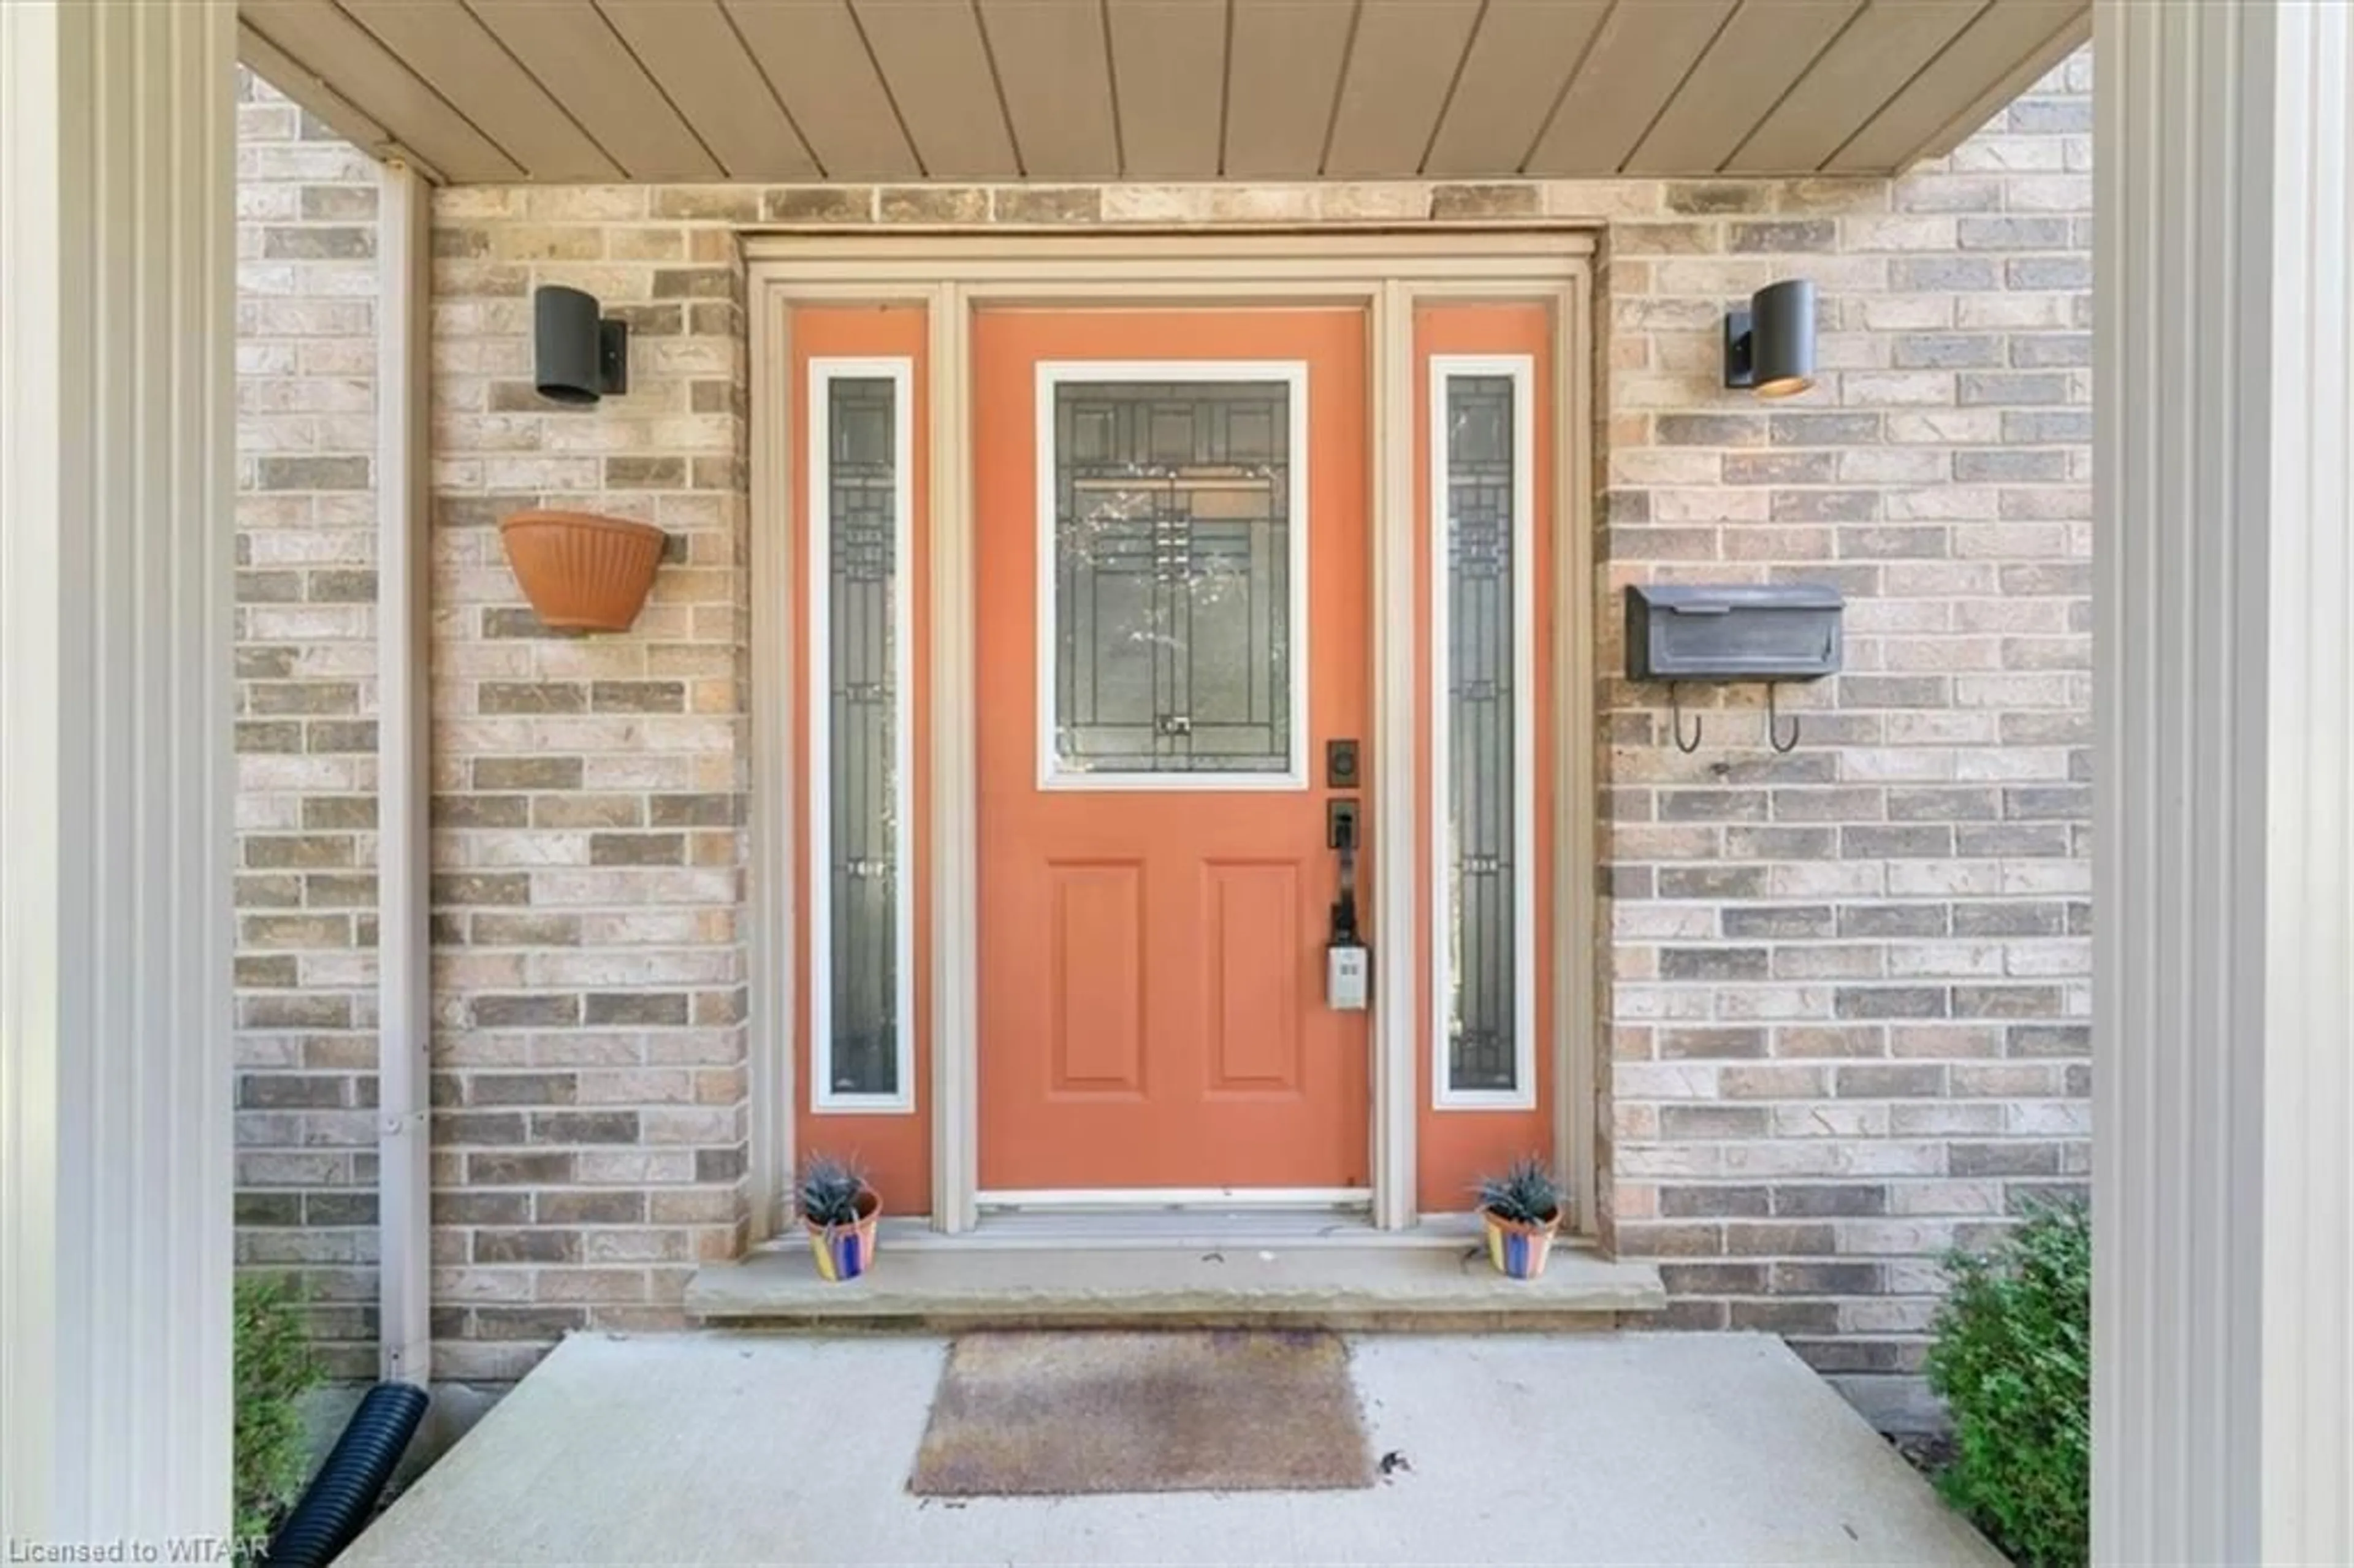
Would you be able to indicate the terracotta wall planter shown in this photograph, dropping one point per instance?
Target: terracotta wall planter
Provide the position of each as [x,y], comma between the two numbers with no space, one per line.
[583,571]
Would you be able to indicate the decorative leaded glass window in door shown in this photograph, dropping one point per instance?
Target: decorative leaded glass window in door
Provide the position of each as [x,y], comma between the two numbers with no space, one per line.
[861,936]
[1172,636]
[1482,623]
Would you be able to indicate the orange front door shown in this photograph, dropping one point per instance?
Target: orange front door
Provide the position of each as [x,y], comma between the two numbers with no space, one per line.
[1171,592]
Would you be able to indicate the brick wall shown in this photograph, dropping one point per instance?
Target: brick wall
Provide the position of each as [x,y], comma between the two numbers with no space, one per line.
[306,704]
[589,845]
[1847,1020]
[1851,982]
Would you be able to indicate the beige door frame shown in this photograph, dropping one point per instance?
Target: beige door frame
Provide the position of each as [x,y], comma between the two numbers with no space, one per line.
[1388,275]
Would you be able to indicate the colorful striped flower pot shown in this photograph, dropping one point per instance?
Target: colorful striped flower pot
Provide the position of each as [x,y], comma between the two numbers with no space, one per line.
[1519,1250]
[845,1252]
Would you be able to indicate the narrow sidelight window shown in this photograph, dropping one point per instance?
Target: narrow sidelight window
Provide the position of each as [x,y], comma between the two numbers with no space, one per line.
[1483,671]
[861,919]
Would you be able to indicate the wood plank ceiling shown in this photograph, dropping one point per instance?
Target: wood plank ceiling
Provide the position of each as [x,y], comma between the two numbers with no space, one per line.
[573,91]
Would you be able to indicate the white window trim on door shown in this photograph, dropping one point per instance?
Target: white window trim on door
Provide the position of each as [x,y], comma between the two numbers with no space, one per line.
[822,372]
[1055,373]
[1520,369]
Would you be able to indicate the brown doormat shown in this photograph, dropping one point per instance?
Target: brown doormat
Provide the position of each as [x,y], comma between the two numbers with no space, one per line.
[1032,1415]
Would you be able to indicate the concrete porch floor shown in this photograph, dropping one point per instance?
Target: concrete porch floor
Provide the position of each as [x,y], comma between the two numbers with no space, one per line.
[1602,1448]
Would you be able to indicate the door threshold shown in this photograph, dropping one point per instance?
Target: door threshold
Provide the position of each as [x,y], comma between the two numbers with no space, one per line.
[1205,1229]
[1154,1200]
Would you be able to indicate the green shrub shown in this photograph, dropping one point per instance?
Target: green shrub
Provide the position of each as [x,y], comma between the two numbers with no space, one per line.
[2013,1360]
[275,1369]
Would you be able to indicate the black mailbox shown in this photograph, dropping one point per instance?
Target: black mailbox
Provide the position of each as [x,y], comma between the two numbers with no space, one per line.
[1737,631]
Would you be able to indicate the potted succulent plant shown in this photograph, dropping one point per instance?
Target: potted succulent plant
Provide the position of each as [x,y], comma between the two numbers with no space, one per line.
[839,1210]
[1522,1212]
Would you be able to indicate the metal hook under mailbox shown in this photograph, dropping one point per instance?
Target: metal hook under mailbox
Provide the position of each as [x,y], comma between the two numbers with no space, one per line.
[1676,717]
[1774,723]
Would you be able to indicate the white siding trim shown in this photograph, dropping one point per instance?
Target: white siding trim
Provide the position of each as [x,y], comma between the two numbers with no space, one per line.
[404,775]
[2307,1504]
[2222,1373]
[822,372]
[1522,1096]
[117,202]
[1052,373]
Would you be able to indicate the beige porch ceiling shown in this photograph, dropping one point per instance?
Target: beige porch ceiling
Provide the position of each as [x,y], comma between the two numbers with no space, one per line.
[564,91]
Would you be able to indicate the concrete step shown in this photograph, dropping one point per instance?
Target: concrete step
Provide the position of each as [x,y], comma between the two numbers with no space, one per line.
[1419,1282]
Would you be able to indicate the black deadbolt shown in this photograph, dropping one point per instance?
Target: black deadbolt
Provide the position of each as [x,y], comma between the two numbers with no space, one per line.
[1341,765]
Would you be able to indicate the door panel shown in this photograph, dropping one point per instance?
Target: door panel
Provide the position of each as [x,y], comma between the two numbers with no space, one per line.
[1251,912]
[1172,582]
[1098,969]
[861,954]
[1485,654]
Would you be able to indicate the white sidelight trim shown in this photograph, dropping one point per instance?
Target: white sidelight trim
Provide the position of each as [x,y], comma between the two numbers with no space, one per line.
[117,206]
[2223,1072]
[900,372]
[1395,1040]
[1581,1030]
[772,994]
[404,775]
[1055,374]
[1520,369]
[954,743]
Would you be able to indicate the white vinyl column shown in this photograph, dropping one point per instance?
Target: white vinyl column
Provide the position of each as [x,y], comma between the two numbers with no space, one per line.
[2223,1296]
[117,202]
[404,775]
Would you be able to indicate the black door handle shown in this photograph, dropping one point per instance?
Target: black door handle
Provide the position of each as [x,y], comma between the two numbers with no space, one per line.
[1343,823]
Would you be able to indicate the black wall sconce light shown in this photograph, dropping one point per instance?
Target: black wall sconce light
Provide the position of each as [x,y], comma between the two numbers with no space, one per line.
[577,356]
[1769,349]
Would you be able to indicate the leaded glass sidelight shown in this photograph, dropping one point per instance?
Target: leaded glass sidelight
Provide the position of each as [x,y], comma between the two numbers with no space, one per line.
[1174,560]
[859,795]
[1480,622]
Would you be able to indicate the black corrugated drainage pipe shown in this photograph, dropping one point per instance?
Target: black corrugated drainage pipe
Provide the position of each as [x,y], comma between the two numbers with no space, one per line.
[342,1496]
